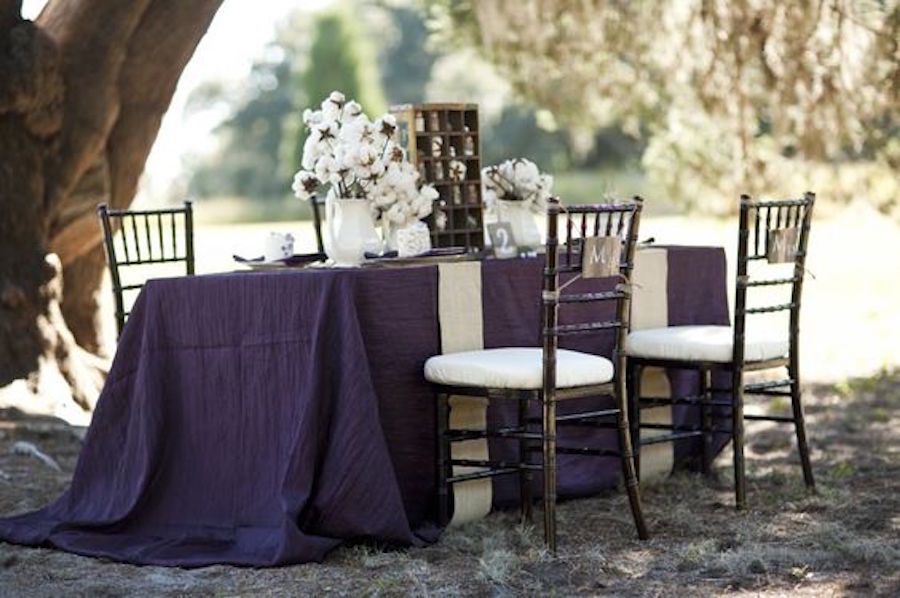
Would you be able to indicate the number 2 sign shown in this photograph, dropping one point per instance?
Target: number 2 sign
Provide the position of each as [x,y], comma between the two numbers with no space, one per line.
[502,240]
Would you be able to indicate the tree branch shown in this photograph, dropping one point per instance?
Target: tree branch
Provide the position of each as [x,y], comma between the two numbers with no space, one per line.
[118,135]
[92,37]
[157,55]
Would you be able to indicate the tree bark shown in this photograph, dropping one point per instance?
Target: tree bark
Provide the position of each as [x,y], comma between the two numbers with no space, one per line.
[82,95]
[82,301]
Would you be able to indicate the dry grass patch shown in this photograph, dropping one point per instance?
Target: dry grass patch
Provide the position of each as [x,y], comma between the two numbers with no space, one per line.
[843,540]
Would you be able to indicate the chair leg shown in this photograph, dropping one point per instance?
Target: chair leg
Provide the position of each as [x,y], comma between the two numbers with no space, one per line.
[549,446]
[800,429]
[442,417]
[737,436]
[525,476]
[706,420]
[634,372]
[629,471]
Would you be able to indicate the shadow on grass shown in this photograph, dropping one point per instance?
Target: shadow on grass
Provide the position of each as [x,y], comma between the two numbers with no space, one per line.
[843,539]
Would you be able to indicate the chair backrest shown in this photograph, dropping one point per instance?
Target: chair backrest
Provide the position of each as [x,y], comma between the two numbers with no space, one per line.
[617,221]
[147,237]
[777,232]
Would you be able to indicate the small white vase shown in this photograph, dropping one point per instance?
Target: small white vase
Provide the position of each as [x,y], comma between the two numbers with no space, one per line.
[413,239]
[351,231]
[521,221]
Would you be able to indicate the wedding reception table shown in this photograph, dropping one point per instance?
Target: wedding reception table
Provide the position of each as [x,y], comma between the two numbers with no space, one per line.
[264,418]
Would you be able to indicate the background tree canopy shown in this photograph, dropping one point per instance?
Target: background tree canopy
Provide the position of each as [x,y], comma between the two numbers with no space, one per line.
[732,95]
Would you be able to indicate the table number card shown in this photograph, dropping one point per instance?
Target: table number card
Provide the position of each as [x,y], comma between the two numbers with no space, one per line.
[601,257]
[502,240]
[782,245]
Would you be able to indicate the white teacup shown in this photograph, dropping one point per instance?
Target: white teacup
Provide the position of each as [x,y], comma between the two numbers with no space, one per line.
[279,246]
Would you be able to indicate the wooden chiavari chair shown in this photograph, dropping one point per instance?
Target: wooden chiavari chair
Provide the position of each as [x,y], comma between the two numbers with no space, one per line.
[147,237]
[547,375]
[771,231]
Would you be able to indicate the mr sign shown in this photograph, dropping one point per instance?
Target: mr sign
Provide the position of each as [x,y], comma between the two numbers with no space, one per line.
[782,246]
[600,257]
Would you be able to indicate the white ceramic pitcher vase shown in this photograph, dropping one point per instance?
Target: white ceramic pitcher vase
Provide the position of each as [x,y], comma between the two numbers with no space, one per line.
[351,231]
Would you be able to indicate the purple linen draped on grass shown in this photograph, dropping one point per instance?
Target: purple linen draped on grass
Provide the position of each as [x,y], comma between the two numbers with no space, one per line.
[239,424]
[265,418]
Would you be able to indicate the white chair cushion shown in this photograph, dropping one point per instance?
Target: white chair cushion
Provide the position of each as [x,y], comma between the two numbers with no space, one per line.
[516,368]
[702,343]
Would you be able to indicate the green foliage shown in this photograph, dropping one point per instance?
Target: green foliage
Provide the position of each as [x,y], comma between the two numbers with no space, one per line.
[261,141]
[247,162]
[406,59]
[341,58]
[517,133]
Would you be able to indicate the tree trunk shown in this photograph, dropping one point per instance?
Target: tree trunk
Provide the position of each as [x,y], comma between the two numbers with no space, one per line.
[82,94]
[82,282]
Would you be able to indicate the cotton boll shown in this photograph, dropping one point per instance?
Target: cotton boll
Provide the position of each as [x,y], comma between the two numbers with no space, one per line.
[325,130]
[337,98]
[429,193]
[397,214]
[311,153]
[440,220]
[525,172]
[423,206]
[546,183]
[312,117]
[386,125]
[357,132]
[325,166]
[305,184]
[351,111]
[345,157]
[332,107]
[330,110]
[385,198]
[376,169]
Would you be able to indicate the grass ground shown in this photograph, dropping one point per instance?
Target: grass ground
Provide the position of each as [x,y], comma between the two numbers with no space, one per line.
[844,540]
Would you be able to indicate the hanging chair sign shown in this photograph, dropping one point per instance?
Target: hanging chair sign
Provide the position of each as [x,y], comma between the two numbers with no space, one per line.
[782,245]
[600,257]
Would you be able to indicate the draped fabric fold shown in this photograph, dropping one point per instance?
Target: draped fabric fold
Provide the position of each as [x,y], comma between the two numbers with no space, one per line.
[240,437]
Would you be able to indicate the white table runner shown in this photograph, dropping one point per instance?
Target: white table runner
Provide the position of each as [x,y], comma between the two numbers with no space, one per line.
[462,329]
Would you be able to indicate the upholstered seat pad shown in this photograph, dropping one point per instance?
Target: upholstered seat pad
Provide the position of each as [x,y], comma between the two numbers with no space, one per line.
[516,368]
[702,343]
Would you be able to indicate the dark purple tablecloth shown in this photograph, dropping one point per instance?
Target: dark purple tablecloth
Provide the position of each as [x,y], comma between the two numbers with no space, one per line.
[265,418]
